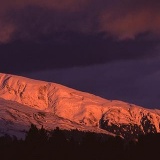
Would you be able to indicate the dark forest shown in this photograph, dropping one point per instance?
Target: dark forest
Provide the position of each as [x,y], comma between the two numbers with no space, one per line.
[77,145]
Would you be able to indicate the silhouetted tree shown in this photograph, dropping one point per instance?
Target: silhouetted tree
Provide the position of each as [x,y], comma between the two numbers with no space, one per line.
[61,145]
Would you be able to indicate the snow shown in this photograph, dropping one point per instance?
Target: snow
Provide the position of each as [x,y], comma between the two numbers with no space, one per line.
[25,101]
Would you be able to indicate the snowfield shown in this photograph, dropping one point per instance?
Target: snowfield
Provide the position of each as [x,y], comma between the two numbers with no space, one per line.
[24,101]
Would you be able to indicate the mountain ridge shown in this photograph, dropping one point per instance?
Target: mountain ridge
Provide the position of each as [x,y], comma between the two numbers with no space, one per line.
[83,109]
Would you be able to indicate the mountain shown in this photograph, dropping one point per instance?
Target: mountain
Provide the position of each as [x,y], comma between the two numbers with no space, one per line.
[24,101]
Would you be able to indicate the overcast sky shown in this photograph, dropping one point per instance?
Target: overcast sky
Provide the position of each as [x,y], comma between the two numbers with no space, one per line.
[110,48]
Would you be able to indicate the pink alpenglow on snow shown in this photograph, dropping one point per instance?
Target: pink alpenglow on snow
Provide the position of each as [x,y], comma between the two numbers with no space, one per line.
[25,101]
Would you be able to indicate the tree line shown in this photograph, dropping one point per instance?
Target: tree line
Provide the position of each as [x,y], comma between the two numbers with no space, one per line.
[40,144]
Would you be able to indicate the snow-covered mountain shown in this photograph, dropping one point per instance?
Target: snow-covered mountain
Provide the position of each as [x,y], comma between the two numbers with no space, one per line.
[24,101]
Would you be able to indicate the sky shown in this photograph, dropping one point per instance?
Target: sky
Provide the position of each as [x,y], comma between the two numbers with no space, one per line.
[109,48]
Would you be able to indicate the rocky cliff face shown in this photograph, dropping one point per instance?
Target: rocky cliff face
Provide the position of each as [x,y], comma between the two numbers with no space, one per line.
[77,109]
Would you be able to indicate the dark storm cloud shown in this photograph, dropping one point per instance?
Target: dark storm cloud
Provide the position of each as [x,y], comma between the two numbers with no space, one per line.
[79,50]
[122,19]
[38,34]
[41,17]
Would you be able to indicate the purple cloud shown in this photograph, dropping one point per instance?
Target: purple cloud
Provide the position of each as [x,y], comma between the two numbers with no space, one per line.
[121,19]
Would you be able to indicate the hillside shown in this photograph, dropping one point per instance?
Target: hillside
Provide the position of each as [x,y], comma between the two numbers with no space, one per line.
[25,101]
